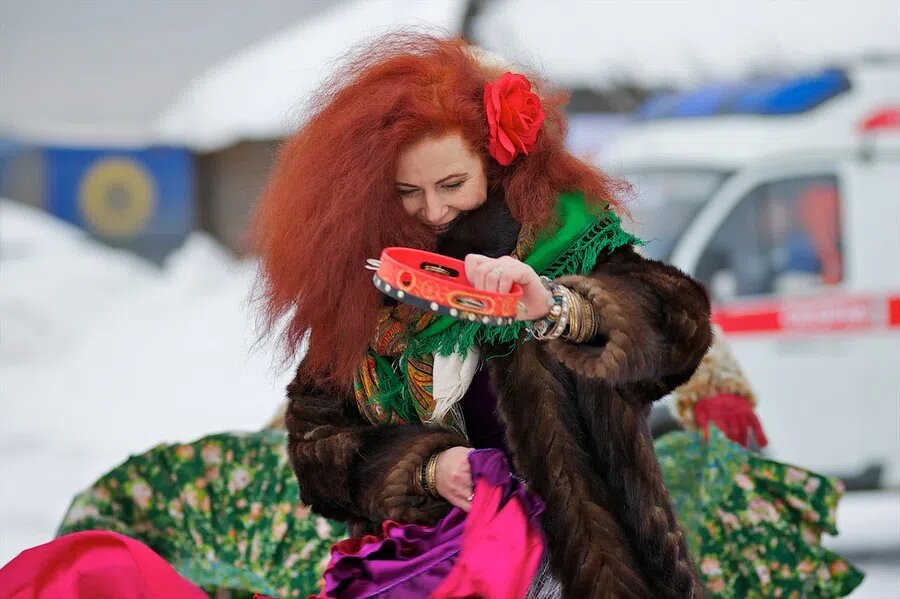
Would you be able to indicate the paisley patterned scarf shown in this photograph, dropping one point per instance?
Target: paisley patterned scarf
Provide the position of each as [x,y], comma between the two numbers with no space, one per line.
[394,382]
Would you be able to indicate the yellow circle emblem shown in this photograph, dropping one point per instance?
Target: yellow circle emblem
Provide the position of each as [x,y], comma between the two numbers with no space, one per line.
[117,197]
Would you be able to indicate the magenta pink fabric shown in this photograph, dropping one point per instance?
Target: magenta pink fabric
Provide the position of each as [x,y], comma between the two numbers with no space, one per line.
[492,552]
[93,565]
[502,545]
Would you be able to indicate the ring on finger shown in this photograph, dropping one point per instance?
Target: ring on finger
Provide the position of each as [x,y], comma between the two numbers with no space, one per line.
[471,496]
[497,270]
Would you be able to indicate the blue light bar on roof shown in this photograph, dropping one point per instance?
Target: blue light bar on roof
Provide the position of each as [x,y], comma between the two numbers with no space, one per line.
[770,96]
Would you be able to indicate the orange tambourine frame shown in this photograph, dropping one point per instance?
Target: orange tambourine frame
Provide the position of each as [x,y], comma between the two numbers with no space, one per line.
[438,283]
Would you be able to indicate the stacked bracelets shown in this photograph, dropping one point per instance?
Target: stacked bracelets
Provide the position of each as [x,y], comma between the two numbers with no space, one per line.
[571,316]
[428,477]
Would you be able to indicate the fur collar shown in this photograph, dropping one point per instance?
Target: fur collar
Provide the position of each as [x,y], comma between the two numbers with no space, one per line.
[489,230]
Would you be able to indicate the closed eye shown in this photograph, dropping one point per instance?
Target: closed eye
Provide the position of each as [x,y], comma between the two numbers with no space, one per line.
[452,186]
[407,193]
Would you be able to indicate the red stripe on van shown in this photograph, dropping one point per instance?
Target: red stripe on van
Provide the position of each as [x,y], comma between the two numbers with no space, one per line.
[894,311]
[746,319]
[810,315]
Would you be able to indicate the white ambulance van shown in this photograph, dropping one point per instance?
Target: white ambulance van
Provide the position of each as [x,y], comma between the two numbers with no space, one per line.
[783,197]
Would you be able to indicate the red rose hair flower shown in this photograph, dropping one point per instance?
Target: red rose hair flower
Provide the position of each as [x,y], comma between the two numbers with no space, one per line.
[514,115]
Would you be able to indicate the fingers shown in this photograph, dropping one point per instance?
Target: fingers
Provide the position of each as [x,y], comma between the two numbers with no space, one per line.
[461,496]
[454,477]
[461,478]
[463,504]
[488,274]
[492,279]
[495,274]
[504,282]
[500,283]
[473,273]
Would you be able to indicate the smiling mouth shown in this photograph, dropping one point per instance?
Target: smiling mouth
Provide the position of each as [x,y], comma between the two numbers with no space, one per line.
[443,228]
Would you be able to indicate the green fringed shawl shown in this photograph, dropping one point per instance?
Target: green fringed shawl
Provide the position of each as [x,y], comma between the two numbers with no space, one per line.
[580,234]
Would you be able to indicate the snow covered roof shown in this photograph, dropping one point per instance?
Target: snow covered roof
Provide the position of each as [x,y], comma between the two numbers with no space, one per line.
[254,94]
[681,44]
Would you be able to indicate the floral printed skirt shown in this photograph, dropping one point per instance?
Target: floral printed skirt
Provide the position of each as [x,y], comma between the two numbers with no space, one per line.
[225,512]
[754,526]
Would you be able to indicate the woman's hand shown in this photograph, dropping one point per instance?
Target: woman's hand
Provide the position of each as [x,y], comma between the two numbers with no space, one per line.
[499,274]
[454,477]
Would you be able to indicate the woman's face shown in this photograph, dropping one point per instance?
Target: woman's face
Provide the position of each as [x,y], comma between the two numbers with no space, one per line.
[440,178]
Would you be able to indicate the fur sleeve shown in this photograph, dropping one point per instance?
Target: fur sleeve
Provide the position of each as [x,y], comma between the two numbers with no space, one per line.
[718,373]
[654,323]
[349,469]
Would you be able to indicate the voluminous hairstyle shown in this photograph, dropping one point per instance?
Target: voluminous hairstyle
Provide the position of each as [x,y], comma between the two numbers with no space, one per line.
[331,201]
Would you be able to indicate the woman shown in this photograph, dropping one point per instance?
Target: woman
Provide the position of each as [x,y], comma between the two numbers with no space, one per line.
[419,144]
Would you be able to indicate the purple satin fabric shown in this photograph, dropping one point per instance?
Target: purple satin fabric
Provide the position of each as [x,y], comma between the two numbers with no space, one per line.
[412,560]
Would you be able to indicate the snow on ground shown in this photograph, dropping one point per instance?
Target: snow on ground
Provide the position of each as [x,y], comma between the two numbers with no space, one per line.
[103,355]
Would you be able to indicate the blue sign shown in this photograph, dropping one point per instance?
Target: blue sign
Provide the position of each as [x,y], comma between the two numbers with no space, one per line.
[143,199]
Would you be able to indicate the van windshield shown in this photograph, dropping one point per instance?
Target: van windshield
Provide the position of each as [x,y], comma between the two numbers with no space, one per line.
[665,201]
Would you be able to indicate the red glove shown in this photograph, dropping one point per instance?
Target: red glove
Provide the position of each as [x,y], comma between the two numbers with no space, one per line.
[733,415]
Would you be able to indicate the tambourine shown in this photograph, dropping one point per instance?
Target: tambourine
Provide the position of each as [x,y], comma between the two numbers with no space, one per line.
[439,283]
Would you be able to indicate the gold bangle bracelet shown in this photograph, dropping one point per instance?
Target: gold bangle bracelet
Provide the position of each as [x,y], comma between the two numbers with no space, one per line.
[587,317]
[419,482]
[588,320]
[428,476]
[574,315]
[584,319]
[578,329]
[592,330]
[431,477]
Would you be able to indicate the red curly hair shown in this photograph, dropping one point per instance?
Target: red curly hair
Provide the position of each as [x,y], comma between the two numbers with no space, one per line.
[331,202]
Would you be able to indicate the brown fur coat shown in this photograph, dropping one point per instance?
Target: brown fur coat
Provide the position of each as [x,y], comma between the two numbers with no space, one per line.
[575,417]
